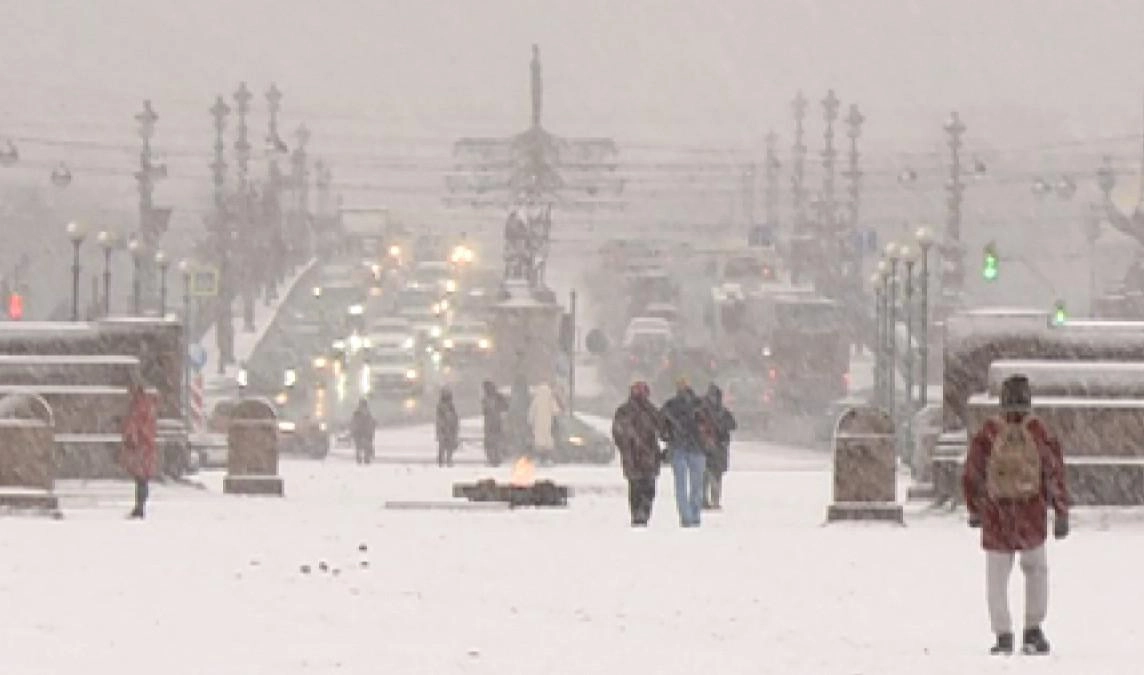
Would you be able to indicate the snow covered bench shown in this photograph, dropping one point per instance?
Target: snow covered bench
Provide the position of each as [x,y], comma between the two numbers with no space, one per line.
[1109,379]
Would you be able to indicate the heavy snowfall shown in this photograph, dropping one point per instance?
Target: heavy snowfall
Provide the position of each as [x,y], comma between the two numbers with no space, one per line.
[606,337]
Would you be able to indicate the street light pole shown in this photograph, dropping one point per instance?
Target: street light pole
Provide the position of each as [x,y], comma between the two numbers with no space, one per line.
[106,242]
[185,270]
[891,329]
[136,250]
[162,263]
[876,281]
[924,237]
[907,254]
[76,234]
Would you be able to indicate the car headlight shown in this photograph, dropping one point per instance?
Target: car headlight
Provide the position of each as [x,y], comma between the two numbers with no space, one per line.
[435,332]
[356,310]
[766,350]
[437,309]
[448,343]
[320,362]
[411,374]
[408,344]
[367,343]
[339,345]
[286,426]
[322,426]
[484,343]
[451,286]
[355,343]
[576,440]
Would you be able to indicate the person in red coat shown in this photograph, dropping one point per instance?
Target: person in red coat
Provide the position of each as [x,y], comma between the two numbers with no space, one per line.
[138,453]
[1014,474]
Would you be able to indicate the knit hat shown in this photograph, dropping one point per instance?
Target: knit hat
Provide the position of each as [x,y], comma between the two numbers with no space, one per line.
[1016,395]
[640,390]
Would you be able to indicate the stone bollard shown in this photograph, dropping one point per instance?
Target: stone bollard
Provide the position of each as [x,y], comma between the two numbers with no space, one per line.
[252,450]
[865,468]
[27,454]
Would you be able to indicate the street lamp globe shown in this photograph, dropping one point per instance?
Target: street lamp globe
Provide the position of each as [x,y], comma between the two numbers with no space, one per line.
[907,253]
[184,266]
[891,251]
[75,232]
[134,247]
[925,237]
[876,279]
[883,268]
[161,260]
[105,239]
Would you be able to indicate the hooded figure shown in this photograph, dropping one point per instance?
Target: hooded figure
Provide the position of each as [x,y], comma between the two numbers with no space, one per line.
[493,408]
[721,423]
[363,427]
[541,414]
[138,453]
[448,429]
[636,428]
[1014,473]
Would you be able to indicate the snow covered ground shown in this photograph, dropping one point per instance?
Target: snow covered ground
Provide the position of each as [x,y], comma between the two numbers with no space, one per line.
[212,584]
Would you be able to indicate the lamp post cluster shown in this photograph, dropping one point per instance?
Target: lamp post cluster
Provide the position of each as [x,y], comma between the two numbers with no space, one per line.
[141,256]
[254,244]
[896,303]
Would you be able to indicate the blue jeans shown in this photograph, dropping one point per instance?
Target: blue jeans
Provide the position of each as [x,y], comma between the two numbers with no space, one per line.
[688,467]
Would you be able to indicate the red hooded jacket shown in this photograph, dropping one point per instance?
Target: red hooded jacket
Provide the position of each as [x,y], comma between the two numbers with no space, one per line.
[1014,525]
[138,453]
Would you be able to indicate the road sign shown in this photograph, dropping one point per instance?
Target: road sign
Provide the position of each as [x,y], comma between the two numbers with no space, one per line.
[204,282]
[197,356]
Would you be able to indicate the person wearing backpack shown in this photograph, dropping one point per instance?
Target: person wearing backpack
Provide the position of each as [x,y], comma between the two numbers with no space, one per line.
[1014,473]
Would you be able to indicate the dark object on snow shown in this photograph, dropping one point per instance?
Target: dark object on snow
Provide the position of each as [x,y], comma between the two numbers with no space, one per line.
[363,548]
[540,493]
[1034,642]
[305,569]
[1003,646]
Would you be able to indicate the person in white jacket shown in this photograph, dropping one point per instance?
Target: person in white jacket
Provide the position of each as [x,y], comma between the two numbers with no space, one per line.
[541,412]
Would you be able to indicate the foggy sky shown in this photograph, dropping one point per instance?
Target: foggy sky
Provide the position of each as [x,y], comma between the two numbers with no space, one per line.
[679,70]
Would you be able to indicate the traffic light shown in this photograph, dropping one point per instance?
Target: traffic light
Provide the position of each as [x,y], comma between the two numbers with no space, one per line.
[15,307]
[1059,314]
[989,264]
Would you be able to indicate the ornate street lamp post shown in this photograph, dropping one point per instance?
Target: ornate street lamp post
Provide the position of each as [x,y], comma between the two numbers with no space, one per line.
[909,256]
[876,284]
[892,256]
[162,262]
[925,237]
[135,248]
[883,272]
[106,241]
[76,234]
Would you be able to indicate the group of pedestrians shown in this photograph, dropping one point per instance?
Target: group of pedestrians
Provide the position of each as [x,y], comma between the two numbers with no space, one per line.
[697,434]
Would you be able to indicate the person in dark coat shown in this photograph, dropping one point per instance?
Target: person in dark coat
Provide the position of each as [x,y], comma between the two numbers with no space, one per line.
[718,460]
[138,453]
[685,443]
[493,407]
[448,429]
[1014,473]
[636,429]
[363,426]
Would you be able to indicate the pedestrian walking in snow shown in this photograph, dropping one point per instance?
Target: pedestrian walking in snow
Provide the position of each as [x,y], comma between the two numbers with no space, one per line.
[363,427]
[1013,474]
[448,429]
[541,414]
[138,453]
[636,429]
[719,439]
[682,414]
[493,408]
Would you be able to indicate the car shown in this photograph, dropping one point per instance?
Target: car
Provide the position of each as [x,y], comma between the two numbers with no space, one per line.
[395,372]
[579,442]
[646,325]
[434,275]
[307,437]
[467,339]
[395,332]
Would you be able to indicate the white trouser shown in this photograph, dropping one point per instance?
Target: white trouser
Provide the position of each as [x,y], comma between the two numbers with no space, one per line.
[1035,565]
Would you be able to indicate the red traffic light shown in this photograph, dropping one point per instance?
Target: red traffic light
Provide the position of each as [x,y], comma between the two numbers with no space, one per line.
[15,307]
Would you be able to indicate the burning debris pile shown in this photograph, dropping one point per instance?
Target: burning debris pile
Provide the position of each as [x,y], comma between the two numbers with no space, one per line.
[522,488]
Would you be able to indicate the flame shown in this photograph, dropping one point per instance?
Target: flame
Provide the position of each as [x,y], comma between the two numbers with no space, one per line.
[523,473]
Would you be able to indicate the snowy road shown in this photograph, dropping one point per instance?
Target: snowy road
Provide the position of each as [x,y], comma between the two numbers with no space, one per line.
[213,584]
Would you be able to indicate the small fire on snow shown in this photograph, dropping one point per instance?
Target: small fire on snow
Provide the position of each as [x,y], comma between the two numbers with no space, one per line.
[523,473]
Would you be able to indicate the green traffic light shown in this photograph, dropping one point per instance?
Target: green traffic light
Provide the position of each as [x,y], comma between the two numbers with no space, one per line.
[989,269]
[1059,315]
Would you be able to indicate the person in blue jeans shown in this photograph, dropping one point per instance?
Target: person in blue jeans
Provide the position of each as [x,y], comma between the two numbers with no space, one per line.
[688,459]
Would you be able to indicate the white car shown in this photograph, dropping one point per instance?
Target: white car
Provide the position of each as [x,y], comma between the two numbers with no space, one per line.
[467,339]
[647,324]
[395,371]
[392,333]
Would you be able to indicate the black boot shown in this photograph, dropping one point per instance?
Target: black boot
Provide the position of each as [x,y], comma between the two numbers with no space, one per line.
[1034,642]
[1004,644]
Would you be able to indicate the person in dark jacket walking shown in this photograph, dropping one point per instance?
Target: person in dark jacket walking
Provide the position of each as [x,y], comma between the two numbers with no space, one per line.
[636,428]
[718,460]
[138,453]
[363,427]
[493,407]
[448,429]
[683,414]
[1014,473]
